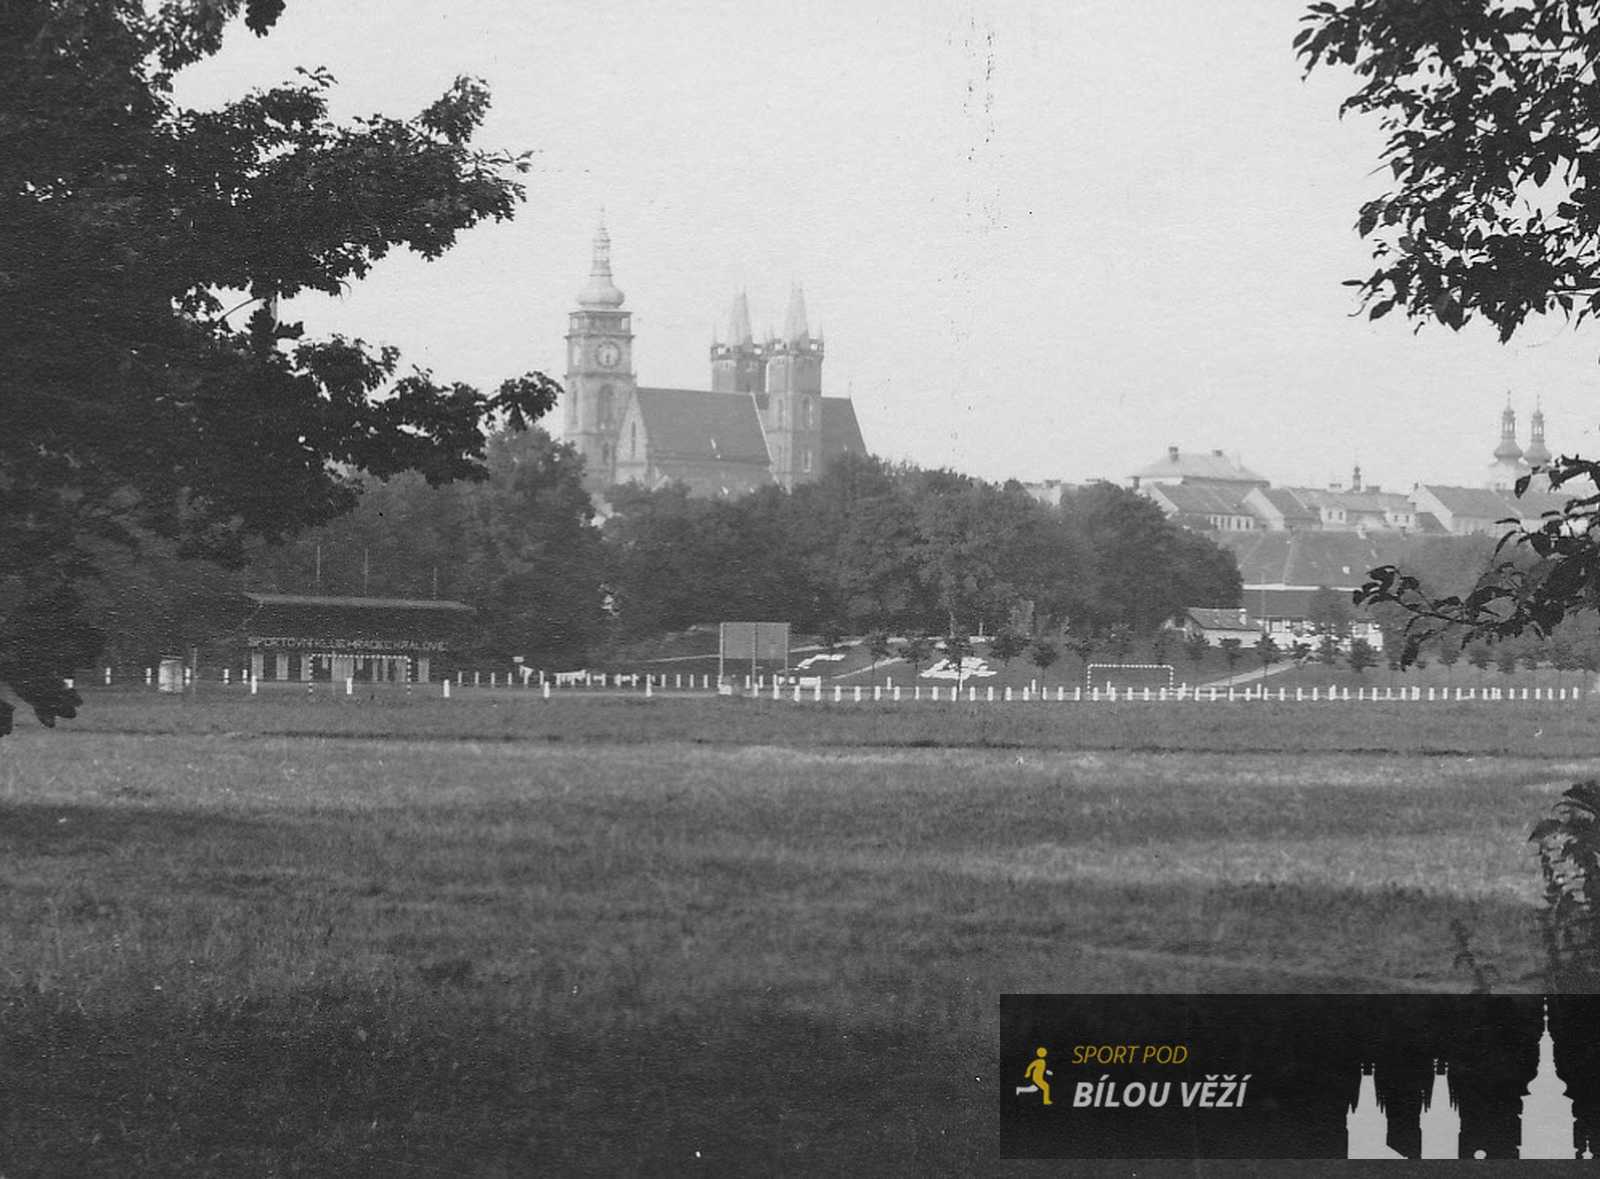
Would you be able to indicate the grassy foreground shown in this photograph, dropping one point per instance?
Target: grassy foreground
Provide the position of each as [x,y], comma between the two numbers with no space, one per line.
[611,935]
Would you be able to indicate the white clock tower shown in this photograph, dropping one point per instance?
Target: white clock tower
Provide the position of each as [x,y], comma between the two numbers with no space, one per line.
[600,378]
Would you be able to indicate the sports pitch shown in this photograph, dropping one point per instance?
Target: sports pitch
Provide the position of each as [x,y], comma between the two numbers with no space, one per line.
[499,935]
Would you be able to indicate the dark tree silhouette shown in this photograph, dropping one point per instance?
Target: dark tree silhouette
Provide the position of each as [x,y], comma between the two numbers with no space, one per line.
[1493,213]
[149,387]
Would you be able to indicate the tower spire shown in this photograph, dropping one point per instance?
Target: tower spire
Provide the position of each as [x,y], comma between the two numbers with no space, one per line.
[1508,448]
[739,322]
[794,327]
[601,291]
[1537,453]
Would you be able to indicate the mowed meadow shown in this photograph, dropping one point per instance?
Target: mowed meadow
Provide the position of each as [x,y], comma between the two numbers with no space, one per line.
[500,935]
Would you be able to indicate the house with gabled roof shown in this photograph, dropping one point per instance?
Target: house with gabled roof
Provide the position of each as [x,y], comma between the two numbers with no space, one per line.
[1202,467]
[1204,506]
[1465,511]
[1215,624]
[1279,510]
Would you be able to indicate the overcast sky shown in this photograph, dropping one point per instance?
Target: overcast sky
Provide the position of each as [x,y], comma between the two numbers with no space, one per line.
[1043,241]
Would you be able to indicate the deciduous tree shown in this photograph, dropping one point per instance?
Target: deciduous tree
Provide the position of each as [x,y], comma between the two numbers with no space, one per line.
[1361,656]
[1493,213]
[148,385]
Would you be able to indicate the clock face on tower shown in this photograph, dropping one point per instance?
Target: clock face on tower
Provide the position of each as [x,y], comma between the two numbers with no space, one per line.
[607,355]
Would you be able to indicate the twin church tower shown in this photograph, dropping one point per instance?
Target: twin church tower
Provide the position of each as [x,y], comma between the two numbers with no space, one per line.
[763,421]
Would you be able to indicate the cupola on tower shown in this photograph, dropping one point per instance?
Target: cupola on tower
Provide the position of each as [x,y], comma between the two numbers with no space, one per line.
[600,378]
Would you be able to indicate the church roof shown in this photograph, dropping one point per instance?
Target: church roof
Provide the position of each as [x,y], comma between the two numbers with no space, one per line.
[700,426]
[841,433]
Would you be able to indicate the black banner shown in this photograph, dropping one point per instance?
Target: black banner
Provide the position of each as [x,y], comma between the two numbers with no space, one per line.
[1299,1076]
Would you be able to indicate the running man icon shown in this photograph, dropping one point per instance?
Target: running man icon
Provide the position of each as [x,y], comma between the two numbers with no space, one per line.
[1036,1074]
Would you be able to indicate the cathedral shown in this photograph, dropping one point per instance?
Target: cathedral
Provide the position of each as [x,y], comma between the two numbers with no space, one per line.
[764,420]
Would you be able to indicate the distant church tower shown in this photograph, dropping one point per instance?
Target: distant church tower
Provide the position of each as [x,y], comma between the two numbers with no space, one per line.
[1508,466]
[740,365]
[600,376]
[1537,453]
[792,415]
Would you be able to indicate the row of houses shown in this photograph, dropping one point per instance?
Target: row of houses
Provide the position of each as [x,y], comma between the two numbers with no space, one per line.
[1215,493]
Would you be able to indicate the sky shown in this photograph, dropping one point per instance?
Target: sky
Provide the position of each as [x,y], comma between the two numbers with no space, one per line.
[1042,241]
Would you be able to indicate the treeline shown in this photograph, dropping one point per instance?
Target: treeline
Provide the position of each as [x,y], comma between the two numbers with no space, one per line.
[1455,566]
[874,547]
[871,547]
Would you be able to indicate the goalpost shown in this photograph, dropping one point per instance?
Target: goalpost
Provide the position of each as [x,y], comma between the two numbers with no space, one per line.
[1128,675]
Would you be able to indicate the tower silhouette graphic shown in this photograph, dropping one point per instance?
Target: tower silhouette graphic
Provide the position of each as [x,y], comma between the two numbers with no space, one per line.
[1546,1120]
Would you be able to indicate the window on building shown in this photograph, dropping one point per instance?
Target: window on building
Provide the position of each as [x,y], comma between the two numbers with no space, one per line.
[607,404]
[806,412]
[805,460]
[633,440]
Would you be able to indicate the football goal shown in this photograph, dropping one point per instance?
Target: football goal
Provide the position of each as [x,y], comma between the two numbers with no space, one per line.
[1128,675]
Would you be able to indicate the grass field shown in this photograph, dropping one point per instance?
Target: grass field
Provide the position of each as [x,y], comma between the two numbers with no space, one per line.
[498,935]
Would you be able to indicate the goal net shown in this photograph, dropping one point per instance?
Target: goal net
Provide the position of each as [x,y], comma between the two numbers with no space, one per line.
[1128,675]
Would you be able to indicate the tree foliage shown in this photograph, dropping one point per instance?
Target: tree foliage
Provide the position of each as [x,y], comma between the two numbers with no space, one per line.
[895,548]
[1492,125]
[149,387]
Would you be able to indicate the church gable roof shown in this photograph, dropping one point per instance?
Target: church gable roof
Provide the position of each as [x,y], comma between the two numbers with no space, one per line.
[690,424]
[841,433]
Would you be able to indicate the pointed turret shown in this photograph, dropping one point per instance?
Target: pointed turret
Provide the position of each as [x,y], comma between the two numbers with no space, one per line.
[740,365]
[1537,453]
[739,322]
[1441,1121]
[1366,1127]
[1508,448]
[794,326]
[601,291]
